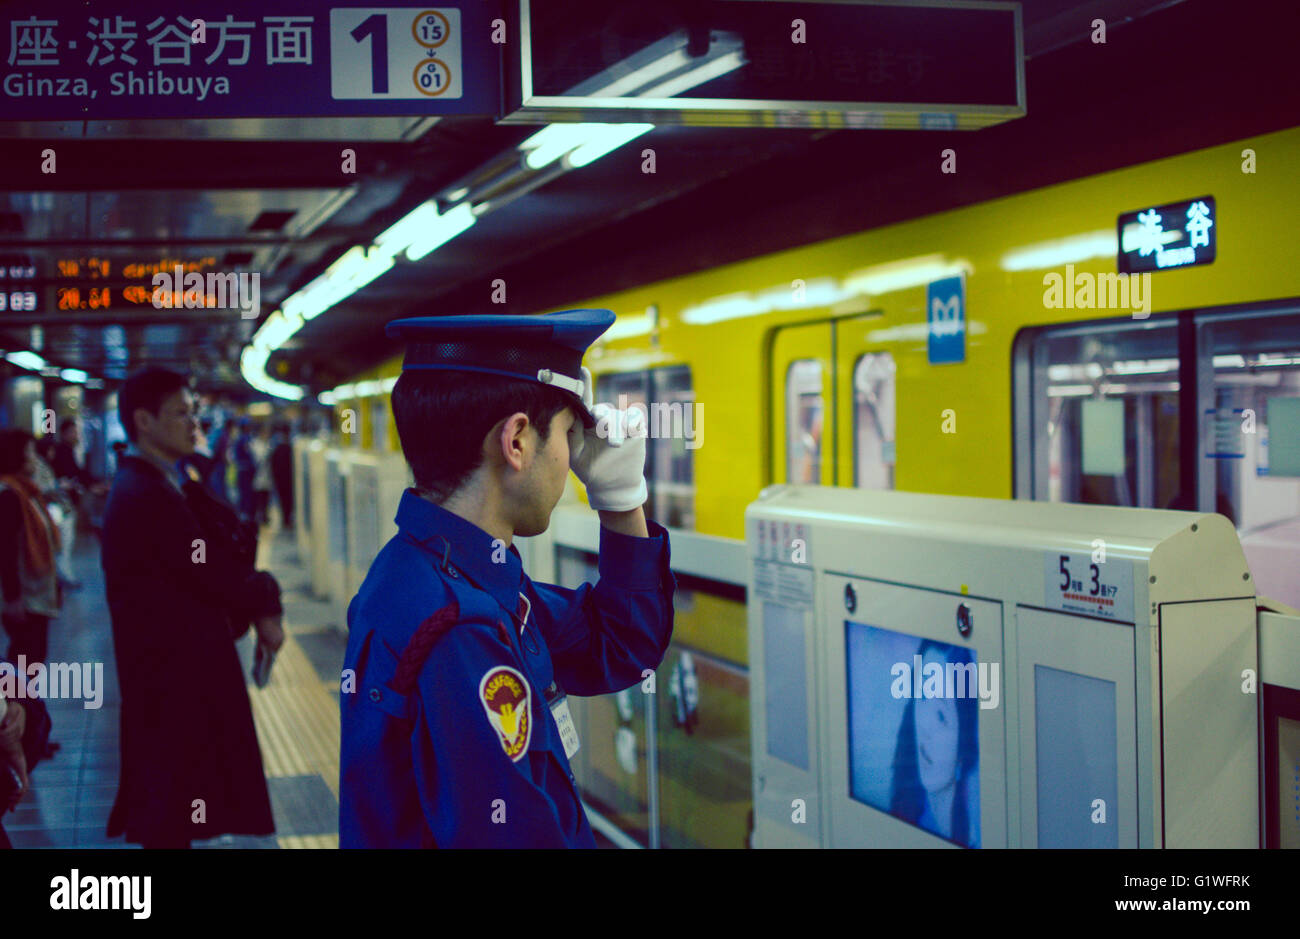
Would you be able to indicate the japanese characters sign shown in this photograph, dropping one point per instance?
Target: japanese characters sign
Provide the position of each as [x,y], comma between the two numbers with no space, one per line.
[238,58]
[906,65]
[1082,583]
[1176,235]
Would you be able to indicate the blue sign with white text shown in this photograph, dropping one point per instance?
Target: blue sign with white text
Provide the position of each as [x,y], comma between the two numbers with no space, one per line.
[110,59]
[945,314]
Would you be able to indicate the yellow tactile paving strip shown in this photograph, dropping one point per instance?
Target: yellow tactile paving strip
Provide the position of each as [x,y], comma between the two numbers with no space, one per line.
[297,722]
[309,841]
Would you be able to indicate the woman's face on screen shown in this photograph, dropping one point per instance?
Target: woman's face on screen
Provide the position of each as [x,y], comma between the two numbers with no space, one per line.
[936,736]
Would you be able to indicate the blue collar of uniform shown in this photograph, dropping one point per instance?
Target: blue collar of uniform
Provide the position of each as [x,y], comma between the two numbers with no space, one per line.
[464,546]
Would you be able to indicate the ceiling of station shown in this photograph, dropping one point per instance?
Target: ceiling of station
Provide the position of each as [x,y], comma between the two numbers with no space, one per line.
[273,197]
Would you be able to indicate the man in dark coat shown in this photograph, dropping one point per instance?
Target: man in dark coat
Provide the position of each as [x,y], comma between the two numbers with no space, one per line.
[191,768]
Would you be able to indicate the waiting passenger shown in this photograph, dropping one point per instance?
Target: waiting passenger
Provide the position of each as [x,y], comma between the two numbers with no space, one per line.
[191,768]
[282,473]
[77,482]
[260,446]
[29,543]
[24,742]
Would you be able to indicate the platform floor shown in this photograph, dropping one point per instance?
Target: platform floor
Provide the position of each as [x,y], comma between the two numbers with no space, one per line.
[296,714]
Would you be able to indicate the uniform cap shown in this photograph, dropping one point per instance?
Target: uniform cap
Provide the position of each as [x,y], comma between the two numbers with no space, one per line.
[546,348]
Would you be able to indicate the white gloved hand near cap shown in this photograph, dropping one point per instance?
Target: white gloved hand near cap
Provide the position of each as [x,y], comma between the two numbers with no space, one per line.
[609,458]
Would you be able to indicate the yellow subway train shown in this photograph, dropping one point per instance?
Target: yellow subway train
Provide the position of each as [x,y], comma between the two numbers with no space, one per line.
[762,336]
[1075,380]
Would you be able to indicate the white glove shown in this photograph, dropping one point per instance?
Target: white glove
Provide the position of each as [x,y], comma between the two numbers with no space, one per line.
[610,457]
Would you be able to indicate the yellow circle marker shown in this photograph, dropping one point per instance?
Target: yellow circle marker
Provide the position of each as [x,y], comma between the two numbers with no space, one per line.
[964,590]
[432,68]
[433,23]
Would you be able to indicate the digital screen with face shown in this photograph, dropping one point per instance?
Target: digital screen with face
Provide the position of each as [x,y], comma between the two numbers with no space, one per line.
[913,720]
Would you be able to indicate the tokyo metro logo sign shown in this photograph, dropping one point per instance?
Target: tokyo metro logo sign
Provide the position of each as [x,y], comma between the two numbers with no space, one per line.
[945,311]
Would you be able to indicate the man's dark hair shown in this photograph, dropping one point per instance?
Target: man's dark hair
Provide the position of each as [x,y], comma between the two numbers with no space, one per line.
[443,417]
[13,450]
[147,389]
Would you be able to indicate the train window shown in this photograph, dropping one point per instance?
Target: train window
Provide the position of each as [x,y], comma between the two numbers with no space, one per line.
[676,432]
[1099,411]
[1250,385]
[804,414]
[700,735]
[873,421]
[611,765]
[668,396]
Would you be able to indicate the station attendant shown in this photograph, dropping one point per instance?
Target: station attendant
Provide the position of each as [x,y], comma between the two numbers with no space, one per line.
[456,730]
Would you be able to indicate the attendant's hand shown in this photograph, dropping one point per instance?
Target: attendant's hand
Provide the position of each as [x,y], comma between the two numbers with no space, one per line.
[611,459]
[270,632]
[11,747]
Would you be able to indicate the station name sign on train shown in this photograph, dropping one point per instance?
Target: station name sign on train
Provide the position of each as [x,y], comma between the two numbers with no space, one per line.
[287,58]
[872,64]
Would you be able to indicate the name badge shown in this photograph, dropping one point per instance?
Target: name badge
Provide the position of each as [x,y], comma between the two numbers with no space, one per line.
[564,723]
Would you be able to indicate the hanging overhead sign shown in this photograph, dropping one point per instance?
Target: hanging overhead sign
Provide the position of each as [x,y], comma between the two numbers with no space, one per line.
[107,59]
[869,64]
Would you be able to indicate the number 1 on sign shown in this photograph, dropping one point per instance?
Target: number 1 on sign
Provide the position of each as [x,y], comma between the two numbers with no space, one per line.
[375,28]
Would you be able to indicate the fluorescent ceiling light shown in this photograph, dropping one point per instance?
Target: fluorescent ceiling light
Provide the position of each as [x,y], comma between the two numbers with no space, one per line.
[401,234]
[357,267]
[441,230]
[277,330]
[252,365]
[613,137]
[1076,372]
[550,143]
[1144,367]
[649,72]
[1069,391]
[74,375]
[27,360]
[632,82]
[695,76]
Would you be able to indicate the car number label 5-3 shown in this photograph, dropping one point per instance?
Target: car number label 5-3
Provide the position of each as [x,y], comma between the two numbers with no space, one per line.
[1079,583]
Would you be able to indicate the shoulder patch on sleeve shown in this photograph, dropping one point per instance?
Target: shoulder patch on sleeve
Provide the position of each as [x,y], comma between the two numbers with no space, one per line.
[504,693]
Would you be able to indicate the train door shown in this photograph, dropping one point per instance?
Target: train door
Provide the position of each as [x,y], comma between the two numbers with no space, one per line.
[802,389]
[865,406]
[1197,411]
[832,406]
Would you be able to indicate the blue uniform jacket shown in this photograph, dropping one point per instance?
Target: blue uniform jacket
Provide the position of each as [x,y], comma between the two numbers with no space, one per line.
[461,761]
